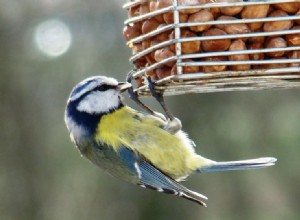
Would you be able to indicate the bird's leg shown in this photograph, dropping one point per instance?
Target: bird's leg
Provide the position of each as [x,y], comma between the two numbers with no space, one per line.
[135,98]
[173,124]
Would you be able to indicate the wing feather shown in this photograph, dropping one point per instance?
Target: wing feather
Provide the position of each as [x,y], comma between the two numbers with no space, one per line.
[152,178]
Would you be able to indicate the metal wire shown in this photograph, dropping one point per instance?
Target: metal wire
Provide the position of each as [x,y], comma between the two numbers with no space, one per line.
[286,77]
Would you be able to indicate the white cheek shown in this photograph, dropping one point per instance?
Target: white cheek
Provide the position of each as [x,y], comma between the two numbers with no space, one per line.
[99,102]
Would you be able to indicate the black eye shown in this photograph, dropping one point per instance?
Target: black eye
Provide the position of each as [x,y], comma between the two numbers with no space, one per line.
[104,88]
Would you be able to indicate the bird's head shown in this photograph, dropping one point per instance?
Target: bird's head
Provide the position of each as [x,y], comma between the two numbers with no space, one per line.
[89,100]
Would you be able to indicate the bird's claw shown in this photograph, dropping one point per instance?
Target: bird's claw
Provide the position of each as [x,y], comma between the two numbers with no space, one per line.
[173,126]
[159,115]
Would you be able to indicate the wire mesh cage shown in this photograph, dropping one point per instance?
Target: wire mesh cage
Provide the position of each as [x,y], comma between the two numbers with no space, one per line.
[198,46]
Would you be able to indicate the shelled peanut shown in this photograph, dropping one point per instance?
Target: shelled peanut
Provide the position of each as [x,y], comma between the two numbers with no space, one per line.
[193,44]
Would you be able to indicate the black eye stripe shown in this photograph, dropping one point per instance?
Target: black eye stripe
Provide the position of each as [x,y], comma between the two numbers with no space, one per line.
[104,88]
[80,89]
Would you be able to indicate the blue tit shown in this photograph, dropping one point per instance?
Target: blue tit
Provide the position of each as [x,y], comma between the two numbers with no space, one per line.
[135,146]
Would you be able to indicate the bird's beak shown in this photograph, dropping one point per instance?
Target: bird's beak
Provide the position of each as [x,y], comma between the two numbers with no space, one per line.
[123,86]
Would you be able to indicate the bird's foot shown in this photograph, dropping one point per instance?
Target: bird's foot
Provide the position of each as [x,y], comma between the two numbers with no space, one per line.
[173,126]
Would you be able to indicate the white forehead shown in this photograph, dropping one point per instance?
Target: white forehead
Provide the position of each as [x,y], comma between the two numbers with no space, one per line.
[89,84]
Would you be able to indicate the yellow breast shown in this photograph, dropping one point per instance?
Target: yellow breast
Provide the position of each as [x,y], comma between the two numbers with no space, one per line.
[172,154]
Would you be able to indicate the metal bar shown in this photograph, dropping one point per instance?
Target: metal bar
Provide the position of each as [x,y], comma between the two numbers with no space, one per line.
[234,36]
[151,49]
[130,4]
[240,62]
[149,15]
[151,34]
[216,37]
[213,63]
[223,22]
[225,74]
[171,91]
[232,4]
[237,79]
[217,4]
[239,84]
[241,21]
[216,74]
[177,36]
[238,52]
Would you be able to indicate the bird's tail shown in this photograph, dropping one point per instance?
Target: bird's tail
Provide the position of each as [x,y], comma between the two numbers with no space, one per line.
[213,166]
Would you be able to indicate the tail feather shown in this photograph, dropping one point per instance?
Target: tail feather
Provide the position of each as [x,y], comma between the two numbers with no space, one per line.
[238,165]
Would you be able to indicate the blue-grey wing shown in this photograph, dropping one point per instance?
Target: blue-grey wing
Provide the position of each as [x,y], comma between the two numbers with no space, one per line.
[133,168]
[150,177]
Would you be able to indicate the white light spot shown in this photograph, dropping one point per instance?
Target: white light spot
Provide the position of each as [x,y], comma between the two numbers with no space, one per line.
[53,38]
[138,170]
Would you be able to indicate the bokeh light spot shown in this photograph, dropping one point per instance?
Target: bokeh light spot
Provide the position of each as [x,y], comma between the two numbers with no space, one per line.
[53,38]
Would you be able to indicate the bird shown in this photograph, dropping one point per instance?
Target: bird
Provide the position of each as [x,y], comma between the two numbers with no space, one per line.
[135,146]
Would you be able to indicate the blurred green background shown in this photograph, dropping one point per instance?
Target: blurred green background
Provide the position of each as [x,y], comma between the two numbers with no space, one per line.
[42,176]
